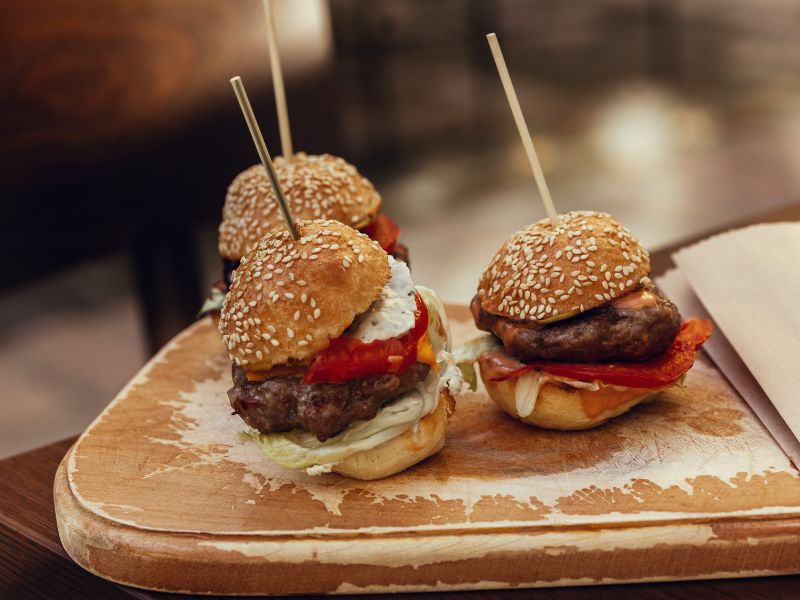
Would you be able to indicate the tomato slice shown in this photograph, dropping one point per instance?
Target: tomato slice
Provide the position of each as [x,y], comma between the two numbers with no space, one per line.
[384,231]
[348,358]
[660,371]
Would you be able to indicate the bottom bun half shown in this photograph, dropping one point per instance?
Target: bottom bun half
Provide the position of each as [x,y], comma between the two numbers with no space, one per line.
[560,408]
[399,453]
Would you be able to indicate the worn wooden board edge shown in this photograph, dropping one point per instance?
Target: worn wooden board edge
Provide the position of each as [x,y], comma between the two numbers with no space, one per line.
[256,565]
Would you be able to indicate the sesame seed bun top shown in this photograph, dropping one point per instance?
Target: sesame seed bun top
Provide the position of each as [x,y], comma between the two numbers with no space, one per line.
[289,298]
[316,187]
[543,273]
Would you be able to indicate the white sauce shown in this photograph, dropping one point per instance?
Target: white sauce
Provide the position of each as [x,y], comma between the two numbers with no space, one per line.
[392,314]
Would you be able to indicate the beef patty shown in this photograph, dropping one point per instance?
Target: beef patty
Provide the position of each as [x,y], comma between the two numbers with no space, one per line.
[324,409]
[607,333]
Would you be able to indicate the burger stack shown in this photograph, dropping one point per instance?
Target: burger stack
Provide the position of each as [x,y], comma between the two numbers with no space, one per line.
[340,364]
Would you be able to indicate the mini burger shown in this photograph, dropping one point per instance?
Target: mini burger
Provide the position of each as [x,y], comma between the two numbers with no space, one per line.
[578,334]
[316,187]
[340,364]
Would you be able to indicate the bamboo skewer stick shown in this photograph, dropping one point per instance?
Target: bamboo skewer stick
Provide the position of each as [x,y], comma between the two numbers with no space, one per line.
[277,82]
[261,146]
[519,119]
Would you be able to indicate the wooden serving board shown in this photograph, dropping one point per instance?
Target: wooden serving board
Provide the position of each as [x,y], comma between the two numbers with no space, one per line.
[160,493]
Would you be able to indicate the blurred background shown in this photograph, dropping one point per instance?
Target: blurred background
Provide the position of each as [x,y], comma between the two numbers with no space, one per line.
[119,134]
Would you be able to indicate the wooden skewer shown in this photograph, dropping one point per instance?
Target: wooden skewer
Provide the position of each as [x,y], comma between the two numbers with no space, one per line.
[277,82]
[524,133]
[261,146]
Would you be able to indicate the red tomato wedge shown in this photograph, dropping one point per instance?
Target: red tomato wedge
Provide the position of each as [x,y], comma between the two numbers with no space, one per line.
[348,358]
[384,231]
[658,372]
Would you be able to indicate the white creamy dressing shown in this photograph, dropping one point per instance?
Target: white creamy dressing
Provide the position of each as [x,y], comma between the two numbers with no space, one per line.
[392,314]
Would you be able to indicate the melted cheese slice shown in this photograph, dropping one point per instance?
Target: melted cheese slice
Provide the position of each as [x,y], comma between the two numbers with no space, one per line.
[425,353]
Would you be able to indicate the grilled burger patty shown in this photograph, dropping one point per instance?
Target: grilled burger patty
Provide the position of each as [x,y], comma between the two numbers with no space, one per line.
[607,333]
[324,409]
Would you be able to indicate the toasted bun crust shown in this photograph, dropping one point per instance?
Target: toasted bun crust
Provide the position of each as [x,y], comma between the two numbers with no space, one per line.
[289,298]
[403,451]
[557,408]
[317,187]
[544,272]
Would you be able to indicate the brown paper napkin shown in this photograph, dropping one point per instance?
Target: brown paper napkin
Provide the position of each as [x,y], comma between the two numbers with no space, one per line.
[748,281]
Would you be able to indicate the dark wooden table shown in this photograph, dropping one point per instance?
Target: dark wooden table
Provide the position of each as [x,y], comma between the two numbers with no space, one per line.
[34,565]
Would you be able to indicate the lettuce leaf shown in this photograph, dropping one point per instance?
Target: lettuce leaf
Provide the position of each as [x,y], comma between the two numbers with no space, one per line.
[466,355]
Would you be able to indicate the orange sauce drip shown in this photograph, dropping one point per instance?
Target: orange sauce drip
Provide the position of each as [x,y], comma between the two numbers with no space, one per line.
[607,398]
[636,300]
